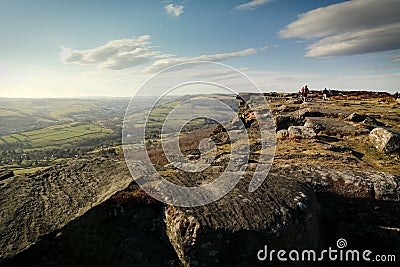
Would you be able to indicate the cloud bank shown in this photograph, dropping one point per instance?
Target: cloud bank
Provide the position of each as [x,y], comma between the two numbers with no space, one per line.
[396,58]
[168,62]
[127,53]
[349,28]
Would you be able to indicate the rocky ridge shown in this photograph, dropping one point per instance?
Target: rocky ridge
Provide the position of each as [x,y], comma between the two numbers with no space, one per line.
[327,182]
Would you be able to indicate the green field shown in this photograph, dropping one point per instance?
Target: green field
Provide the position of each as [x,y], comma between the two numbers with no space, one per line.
[58,135]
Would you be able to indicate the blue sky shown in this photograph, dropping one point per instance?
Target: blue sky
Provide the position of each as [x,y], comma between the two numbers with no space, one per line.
[108,48]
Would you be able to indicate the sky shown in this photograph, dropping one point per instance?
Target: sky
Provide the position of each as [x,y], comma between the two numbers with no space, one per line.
[109,48]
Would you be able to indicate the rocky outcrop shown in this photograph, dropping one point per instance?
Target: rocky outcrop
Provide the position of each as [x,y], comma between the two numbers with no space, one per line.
[46,214]
[113,233]
[282,213]
[350,184]
[385,140]
[37,204]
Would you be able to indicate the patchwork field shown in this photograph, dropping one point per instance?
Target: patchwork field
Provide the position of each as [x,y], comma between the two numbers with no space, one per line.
[57,135]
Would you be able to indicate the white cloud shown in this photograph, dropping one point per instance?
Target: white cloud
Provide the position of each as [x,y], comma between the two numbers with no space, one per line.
[384,38]
[168,62]
[116,54]
[252,4]
[127,53]
[351,27]
[267,47]
[396,58]
[174,10]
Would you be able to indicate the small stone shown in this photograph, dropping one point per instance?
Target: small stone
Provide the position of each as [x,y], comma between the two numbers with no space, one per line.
[301,132]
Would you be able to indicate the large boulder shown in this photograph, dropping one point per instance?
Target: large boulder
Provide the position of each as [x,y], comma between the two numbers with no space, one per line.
[301,132]
[282,213]
[385,140]
[40,203]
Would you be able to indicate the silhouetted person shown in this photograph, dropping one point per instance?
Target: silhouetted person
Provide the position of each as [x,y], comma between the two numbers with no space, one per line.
[325,93]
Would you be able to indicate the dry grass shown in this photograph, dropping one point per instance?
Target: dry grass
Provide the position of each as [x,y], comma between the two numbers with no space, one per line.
[188,143]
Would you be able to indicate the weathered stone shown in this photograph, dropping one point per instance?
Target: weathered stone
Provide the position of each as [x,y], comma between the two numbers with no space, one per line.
[385,140]
[270,214]
[281,213]
[36,204]
[347,183]
[110,234]
[301,132]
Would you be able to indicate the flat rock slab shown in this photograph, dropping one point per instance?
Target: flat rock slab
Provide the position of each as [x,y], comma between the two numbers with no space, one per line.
[373,185]
[37,204]
[334,126]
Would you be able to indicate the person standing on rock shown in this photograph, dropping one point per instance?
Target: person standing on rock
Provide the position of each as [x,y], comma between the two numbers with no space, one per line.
[325,94]
[304,92]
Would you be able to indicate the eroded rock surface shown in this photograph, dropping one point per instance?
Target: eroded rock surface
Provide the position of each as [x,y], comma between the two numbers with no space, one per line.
[282,213]
[37,204]
[378,186]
